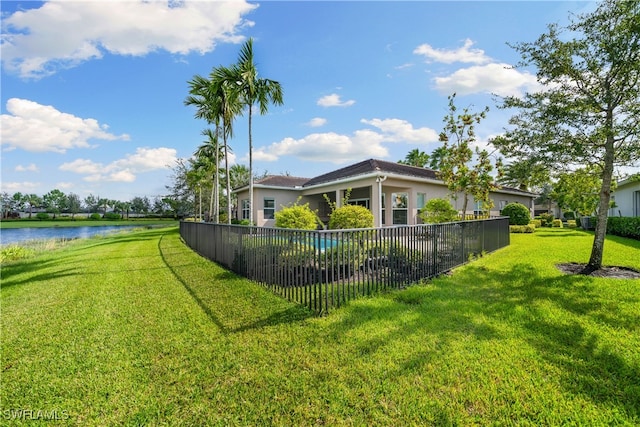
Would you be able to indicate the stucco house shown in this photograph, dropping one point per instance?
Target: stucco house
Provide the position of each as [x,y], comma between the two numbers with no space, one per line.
[392,191]
[626,197]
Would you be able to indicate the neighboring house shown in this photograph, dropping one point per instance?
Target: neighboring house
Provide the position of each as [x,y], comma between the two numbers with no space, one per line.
[393,192]
[627,197]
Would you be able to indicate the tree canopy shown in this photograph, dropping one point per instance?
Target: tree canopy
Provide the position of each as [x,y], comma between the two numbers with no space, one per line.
[586,113]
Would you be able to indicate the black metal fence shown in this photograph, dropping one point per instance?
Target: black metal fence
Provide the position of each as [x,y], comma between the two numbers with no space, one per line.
[323,269]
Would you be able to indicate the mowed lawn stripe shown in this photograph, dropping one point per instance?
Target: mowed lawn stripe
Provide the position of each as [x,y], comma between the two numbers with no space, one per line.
[107,327]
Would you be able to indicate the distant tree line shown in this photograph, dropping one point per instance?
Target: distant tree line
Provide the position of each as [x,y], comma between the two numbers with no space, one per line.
[56,202]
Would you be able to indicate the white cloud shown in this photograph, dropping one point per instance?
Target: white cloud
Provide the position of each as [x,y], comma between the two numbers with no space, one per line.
[126,169]
[40,128]
[29,168]
[500,79]
[23,187]
[82,167]
[317,122]
[449,56]
[345,148]
[315,147]
[65,185]
[147,159]
[61,34]
[397,130]
[334,100]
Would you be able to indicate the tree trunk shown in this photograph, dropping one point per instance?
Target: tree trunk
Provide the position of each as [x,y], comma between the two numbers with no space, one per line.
[250,171]
[228,183]
[595,261]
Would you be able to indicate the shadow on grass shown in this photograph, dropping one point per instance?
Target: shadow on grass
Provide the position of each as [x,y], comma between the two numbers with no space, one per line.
[478,304]
[232,309]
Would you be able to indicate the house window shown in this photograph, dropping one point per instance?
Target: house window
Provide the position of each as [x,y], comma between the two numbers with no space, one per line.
[245,209]
[479,210]
[502,204]
[636,203]
[399,205]
[422,200]
[382,208]
[269,207]
[359,202]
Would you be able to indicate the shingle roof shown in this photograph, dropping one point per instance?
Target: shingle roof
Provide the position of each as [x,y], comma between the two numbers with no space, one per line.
[372,166]
[362,168]
[282,181]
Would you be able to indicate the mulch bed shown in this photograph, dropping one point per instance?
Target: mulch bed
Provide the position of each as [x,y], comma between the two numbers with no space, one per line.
[605,271]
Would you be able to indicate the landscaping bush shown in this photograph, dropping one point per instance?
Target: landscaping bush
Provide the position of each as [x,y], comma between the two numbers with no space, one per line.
[571,223]
[95,217]
[112,216]
[299,217]
[547,219]
[569,215]
[351,216]
[438,211]
[529,228]
[557,223]
[518,214]
[43,216]
[624,226]
[536,222]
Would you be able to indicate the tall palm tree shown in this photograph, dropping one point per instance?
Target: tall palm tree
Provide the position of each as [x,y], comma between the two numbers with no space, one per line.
[416,158]
[225,87]
[254,90]
[217,101]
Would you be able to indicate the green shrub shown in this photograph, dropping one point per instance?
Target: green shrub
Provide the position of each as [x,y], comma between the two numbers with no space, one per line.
[94,217]
[569,215]
[299,217]
[112,216]
[557,223]
[437,211]
[43,216]
[547,219]
[536,222]
[518,214]
[624,226]
[529,228]
[351,216]
[571,223]
[13,253]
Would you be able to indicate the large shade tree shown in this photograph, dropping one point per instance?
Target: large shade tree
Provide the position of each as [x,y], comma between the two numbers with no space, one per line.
[586,113]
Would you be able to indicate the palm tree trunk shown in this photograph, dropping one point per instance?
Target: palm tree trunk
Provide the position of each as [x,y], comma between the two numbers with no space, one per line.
[250,171]
[228,183]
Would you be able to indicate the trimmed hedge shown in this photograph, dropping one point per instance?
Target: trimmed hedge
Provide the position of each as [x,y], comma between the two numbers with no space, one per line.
[557,223]
[624,226]
[529,228]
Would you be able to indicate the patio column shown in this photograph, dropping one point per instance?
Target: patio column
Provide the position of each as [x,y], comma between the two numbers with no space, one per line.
[378,200]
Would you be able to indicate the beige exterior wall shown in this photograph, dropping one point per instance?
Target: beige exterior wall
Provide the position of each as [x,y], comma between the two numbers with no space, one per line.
[367,190]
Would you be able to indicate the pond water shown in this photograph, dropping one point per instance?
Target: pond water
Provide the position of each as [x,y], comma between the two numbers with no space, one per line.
[19,235]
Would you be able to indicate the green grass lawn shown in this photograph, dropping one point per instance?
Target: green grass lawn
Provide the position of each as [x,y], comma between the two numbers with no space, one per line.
[136,329]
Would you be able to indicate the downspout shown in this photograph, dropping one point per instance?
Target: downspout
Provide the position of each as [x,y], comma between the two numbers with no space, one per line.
[380,180]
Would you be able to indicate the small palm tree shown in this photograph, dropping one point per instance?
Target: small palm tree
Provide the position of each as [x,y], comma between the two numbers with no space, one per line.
[208,160]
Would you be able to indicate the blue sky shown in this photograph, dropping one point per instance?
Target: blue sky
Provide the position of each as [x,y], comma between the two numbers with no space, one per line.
[92,92]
